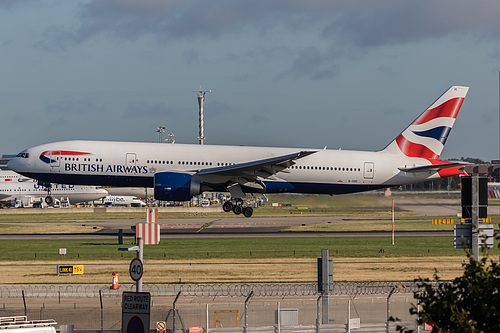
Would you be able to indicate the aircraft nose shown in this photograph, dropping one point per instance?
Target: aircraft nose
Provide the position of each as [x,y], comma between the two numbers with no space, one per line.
[14,164]
[19,163]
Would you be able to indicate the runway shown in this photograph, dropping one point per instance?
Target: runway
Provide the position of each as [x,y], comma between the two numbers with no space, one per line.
[231,227]
[234,226]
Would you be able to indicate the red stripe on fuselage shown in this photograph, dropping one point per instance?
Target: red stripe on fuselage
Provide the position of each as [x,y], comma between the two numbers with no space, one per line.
[64,152]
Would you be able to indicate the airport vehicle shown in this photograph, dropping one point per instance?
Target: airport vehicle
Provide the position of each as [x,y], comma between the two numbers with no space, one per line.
[26,192]
[21,324]
[180,171]
[123,201]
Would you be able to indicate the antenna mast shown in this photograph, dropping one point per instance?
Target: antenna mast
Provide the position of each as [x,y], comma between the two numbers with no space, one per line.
[201,99]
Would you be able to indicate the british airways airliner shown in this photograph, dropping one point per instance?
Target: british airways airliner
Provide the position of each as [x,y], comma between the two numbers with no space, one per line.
[180,171]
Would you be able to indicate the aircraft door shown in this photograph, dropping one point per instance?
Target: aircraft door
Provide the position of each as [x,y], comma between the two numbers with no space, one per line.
[55,159]
[131,159]
[369,170]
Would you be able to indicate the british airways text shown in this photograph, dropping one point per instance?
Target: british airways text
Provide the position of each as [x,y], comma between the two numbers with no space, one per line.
[117,168]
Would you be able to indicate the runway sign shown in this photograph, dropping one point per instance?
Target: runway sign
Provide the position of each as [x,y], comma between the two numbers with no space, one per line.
[69,269]
[135,312]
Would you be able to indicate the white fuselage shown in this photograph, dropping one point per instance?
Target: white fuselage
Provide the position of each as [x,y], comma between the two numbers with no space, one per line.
[110,163]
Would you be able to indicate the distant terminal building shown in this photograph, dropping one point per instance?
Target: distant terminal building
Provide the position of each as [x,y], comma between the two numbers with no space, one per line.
[494,190]
[491,171]
[3,161]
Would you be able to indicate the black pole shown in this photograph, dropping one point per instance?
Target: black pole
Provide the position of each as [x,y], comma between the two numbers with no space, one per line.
[24,301]
[102,314]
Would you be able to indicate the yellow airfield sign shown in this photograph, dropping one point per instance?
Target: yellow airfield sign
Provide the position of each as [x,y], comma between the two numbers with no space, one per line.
[69,269]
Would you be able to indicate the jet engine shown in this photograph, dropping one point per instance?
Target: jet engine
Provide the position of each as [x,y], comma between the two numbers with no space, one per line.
[175,186]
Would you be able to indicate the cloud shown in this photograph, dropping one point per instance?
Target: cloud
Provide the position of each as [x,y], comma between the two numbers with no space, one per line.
[6,4]
[141,109]
[190,56]
[362,23]
[343,28]
[69,107]
[399,22]
[314,64]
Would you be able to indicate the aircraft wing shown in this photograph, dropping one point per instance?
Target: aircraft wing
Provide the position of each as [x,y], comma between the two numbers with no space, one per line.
[249,173]
[263,168]
[434,167]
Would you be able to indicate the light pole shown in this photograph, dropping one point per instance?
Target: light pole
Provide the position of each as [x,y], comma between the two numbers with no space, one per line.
[161,130]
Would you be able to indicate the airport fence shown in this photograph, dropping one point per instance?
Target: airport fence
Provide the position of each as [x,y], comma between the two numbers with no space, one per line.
[221,307]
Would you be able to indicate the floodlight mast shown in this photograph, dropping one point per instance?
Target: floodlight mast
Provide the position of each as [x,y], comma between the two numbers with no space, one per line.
[201,99]
[161,130]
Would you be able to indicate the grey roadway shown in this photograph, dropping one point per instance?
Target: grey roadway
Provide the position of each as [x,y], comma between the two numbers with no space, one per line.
[223,228]
[238,226]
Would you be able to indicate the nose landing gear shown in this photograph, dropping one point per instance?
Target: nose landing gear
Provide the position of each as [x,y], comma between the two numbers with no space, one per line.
[49,200]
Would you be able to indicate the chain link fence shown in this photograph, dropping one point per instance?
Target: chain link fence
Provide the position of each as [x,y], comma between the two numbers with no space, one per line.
[220,307]
[205,290]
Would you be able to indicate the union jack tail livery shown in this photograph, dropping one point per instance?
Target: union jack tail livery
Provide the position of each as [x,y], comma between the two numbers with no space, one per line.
[426,136]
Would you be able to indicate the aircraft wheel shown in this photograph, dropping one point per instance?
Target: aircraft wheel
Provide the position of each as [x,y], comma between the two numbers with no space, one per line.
[49,200]
[248,211]
[227,206]
[237,209]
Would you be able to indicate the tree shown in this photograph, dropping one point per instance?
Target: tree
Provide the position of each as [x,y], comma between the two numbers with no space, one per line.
[469,303]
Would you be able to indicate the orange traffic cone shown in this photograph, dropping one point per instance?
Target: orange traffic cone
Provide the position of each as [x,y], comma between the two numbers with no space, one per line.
[115,284]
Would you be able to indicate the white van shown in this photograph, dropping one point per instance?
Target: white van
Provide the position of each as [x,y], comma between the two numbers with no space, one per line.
[21,324]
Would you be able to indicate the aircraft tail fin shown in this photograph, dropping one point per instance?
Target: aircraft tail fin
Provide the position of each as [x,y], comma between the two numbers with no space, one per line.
[426,136]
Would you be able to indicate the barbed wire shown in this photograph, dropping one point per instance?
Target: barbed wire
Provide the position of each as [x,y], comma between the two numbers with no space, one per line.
[206,290]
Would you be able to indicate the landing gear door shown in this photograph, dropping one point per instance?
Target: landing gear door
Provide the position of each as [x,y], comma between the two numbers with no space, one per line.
[369,170]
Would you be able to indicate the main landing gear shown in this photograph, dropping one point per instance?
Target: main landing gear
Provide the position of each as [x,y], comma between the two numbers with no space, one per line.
[238,207]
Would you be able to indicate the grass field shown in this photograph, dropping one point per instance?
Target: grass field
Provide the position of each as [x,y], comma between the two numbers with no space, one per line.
[232,248]
[281,259]
[234,260]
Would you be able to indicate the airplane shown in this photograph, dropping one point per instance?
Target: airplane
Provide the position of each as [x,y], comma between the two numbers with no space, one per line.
[11,176]
[121,200]
[25,191]
[177,172]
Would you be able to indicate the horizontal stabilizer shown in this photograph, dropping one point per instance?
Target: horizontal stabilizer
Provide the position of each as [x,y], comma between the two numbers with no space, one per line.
[434,167]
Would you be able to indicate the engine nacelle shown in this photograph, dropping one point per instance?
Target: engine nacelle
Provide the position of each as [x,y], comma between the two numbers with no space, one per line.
[175,186]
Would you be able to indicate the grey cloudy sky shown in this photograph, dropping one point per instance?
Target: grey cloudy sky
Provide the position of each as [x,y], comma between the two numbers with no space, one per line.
[342,74]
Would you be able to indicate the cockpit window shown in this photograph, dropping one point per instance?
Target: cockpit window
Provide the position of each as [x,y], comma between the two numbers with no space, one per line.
[23,155]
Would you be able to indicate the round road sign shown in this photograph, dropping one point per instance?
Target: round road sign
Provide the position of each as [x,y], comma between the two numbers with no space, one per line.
[136,269]
[135,325]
